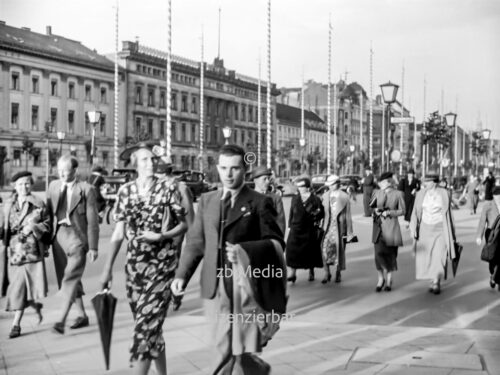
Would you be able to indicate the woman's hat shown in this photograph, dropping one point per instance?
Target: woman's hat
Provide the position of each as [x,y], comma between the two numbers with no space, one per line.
[21,174]
[303,182]
[386,176]
[332,180]
[260,171]
[432,177]
[148,145]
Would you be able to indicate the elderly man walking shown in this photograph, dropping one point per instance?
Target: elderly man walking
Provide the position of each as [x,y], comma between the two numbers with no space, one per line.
[72,206]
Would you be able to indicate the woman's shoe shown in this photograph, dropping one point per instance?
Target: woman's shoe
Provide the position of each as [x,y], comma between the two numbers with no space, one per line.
[15,332]
[292,278]
[38,309]
[379,287]
[337,277]
[435,288]
[388,287]
[492,282]
[326,279]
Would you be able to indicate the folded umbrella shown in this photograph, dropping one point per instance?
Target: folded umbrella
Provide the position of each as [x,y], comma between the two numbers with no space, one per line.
[104,305]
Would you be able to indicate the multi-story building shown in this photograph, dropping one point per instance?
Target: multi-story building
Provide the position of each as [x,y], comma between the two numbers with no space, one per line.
[291,157]
[48,82]
[230,99]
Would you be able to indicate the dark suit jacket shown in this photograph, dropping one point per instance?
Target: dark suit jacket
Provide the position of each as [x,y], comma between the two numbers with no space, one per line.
[388,227]
[83,213]
[251,221]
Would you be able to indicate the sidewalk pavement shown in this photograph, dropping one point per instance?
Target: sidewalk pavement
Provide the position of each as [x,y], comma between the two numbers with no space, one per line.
[305,344]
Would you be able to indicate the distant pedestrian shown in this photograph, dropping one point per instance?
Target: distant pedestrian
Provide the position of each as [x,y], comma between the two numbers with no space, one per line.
[303,246]
[409,185]
[72,206]
[261,176]
[472,192]
[489,214]
[369,184]
[388,204]
[337,226]
[26,230]
[489,185]
[433,231]
[148,213]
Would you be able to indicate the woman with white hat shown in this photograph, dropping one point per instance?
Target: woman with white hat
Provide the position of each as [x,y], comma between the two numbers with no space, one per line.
[337,225]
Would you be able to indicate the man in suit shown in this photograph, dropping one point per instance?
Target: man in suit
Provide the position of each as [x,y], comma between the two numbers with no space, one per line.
[368,186]
[72,205]
[409,185]
[261,176]
[236,233]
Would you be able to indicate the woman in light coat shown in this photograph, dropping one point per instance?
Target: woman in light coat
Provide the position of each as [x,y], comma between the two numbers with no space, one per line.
[432,228]
[337,225]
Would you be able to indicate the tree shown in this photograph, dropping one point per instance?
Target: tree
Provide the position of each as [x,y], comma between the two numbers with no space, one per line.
[28,148]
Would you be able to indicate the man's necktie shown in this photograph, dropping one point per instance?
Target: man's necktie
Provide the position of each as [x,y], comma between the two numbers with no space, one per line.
[224,261]
[62,205]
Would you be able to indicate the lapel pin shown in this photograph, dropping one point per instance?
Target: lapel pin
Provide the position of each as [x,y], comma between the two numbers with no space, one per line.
[243,209]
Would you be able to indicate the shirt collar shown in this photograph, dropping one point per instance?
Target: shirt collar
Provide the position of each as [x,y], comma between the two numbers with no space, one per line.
[69,185]
[234,192]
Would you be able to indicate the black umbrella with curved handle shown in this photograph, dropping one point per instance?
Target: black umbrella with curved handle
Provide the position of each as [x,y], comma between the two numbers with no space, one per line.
[104,305]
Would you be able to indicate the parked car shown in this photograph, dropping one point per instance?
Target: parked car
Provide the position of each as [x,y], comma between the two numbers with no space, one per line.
[352,182]
[194,180]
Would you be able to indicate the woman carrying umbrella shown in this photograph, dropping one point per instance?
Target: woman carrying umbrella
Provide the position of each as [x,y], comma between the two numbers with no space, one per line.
[148,213]
[26,223]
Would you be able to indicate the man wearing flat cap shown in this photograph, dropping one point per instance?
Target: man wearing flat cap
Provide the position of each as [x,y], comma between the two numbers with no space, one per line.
[261,176]
[388,204]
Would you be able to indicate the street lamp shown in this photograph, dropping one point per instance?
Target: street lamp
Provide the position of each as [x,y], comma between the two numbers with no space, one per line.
[302,143]
[49,126]
[389,92]
[226,130]
[61,136]
[450,118]
[94,118]
[352,148]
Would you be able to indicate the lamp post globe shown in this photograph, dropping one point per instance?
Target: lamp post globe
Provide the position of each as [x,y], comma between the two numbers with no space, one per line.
[486,134]
[226,131]
[450,118]
[94,118]
[389,92]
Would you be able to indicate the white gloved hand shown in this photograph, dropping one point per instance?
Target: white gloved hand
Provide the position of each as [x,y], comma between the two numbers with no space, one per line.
[478,241]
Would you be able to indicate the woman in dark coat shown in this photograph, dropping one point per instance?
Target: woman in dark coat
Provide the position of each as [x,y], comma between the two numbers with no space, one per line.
[303,245]
[409,186]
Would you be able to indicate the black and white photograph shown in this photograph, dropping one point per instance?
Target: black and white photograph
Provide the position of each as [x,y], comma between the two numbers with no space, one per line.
[237,187]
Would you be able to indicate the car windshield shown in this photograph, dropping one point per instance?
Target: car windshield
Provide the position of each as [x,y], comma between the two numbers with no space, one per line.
[319,178]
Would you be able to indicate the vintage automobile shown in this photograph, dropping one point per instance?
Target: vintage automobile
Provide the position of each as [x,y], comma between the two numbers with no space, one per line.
[194,180]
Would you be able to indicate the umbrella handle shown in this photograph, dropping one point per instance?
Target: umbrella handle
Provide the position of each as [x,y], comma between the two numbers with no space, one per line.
[105,288]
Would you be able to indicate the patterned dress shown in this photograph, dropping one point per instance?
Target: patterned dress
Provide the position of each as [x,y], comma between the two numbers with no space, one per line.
[150,267]
[329,245]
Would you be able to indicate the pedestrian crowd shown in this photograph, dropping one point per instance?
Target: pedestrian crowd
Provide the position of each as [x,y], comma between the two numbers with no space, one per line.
[239,233]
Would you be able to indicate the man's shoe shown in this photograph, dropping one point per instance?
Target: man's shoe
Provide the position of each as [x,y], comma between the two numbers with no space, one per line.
[80,322]
[58,328]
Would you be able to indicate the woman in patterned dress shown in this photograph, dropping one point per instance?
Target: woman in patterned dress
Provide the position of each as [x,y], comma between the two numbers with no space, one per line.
[337,225]
[26,223]
[149,214]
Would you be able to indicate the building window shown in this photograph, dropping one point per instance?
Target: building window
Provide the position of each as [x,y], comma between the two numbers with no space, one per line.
[16,157]
[242,138]
[151,97]
[194,105]
[15,80]
[105,157]
[53,87]
[102,126]
[87,124]
[150,128]
[184,105]
[138,95]
[34,117]
[250,114]
[173,105]
[162,128]
[183,132]
[346,115]
[14,115]
[104,98]
[88,93]
[193,132]
[71,122]
[37,160]
[236,111]
[35,84]
[71,90]
[346,129]
[163,103]
[243,112]
[53,117]
[138,125]
[174,134]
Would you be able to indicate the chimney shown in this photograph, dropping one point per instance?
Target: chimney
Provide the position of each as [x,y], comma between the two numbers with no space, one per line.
[2,22]
[26,28]
[48,30]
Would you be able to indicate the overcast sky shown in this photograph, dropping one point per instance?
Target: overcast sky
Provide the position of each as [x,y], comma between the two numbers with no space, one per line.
[454,44]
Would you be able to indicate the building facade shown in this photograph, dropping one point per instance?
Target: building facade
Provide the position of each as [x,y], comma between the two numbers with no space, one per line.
[48,84]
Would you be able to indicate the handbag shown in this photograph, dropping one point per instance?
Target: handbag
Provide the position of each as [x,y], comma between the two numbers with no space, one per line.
[456,260]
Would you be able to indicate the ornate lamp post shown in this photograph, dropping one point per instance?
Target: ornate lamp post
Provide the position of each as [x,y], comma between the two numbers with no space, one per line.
[94,118]
[302,143]
[389,92]
[352,148]
[226,130]
[49,126]
[450,118]
[61,136]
